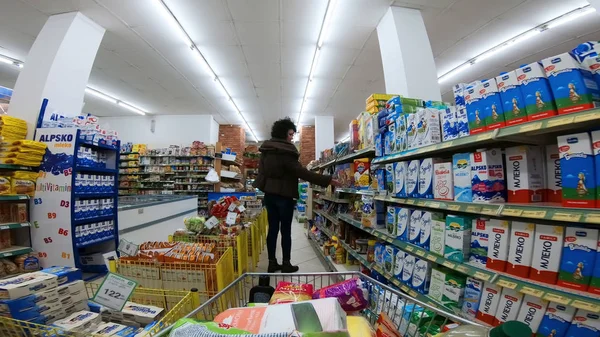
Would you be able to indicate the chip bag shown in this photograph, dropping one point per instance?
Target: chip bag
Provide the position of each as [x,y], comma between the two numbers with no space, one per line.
[287,292]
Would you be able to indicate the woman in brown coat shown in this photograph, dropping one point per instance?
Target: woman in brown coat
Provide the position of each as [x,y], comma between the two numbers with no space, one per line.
[278,174]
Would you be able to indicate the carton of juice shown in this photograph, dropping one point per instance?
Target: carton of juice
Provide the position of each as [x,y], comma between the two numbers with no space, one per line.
[475,113]
[577,170]
[458,238]
[479,242]
[412,179]
[578,258]
[490,298]
[438,236]
[421,275]
[539,101]
[573,86]
[414,227]
[400,169]
[427,219]
[553,174]
[390,221]
[499,239]
[491,104]
[596,152]
[461,171]
[508,307]
[525,174]
[556,321]
[454,289]
[532,312]
[443,186]
[585,324]
[487,176]
[426,178]
[595,281]
[513,103]
[547,251]
[520,249]
[403,216]
[473,290]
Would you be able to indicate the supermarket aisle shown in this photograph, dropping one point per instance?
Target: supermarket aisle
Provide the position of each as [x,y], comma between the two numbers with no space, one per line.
[303,254]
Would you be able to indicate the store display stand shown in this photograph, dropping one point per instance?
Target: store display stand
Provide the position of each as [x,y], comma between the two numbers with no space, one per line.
[58,236]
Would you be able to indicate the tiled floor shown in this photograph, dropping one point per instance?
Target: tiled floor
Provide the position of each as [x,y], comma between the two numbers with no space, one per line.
[303,255]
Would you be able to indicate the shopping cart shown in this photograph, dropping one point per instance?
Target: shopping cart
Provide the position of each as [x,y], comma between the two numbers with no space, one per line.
[411,316]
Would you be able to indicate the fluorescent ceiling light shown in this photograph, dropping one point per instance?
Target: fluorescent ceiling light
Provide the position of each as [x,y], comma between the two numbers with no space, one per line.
[315,61]
[454,72]
[173,22]
[326,22]
[131,108]
[570,16]
[221,88]
[10,61]
[203,64]
[98,94]
[526,36]
[344,139]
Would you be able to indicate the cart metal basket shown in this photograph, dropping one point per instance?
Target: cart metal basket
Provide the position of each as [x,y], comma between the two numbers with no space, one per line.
[413,317]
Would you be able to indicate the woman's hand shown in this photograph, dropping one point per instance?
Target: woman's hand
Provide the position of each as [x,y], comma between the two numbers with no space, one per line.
[335,183]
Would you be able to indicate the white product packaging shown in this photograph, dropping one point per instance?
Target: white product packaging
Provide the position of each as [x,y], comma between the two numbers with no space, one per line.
[403,216]
[532,311]
[520,248]
[26,284]
[508,307]
[499,239]
[428,127]
[449,124]
[412,179]
[443,182]
[411,130]
[400,169]
[436,285]
[438,237]
[79,321]
[547,252]
[407,270]
[487,176]
[414,227]
[426,178]
[479,242]
[525,174]
[553,174]
[490,298]
[427,219]
[143,314]
[399,264]
[421,274]
[461,172]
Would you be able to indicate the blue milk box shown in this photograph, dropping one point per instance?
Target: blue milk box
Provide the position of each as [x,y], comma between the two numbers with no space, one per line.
[578,258]
[462,121]
[379,253]
[449,123]
[513,103]
[556,321]
[539,101]
[389,178]
[585,324]
[64,274]
[412,178]
[390,221]
[389,259]
[380,179]
[461,170]
[414,227]
[388,142]
[475,113]
[592,63]
[491,104]
[421,276]
[400,169]
[577,170]
[426,178]
[379,145]
[401,141]
[403,216]
[473,289]
[487,176]
[390,138]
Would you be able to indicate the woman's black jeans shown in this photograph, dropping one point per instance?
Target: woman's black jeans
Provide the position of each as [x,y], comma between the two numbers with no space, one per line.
[280,212]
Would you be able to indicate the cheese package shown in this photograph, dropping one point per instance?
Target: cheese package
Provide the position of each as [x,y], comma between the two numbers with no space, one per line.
[143,314]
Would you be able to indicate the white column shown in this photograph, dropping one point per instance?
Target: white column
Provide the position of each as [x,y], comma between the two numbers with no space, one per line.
[408,64]
[57,68]
[323,134]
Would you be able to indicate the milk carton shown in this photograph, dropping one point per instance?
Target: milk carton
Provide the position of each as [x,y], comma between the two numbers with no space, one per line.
[473,290]
[539,101]
[458,238]
[585,324]
[420,276]
[412,178]
[487,176]
[414,227]
[461,171]
[546,253]
[443,182]
[426,178]
[389,259]
[438,236]
[592,64]
[428,127]
[513,103]
[401,140]
[577,170]
[573,86]
[399,264]
[490,298]
[532,311]
[390,135]
[400,169]
[454,289]
[449,124]
[491,104]
[553,174]
[525,174]
[411,131]
[479,243]
[390,221]
[595,281]
[499,238]
[578,258]
[459,94]
[389,178]
[556,321]
[508,307]
[403,216]
[436,285]
[407,270]
[596,152]
[520,249]
[426,222]
[475,113]
[462,121]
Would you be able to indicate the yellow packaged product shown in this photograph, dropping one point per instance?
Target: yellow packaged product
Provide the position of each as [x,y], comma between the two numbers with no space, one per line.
[14,121]
[5,186]
[23,182]
[31,144]
[358,326]
[22,156]
[20,149]
[12,135]
[15,161]
[379,97]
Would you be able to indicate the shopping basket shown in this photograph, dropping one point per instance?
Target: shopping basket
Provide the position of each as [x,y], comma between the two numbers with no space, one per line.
[176,305]
[382,298]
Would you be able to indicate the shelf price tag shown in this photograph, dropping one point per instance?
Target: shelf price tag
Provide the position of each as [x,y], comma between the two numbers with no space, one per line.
[586,306]
[211,222]
[489,210]
[530,127]
[563,216]
[587,117]
[462,269]
[453,207]
[534,214]
[231,217]
[557,298]
[473,209]
[409,248]
[410,201]
[412,293]
[449,264]
[481,276]
[559,121]
[433,204]
[421,203]
[512,212]
[592,218]
[128,248]
[446,145]
[506,284]
[114,291]
[420,253]
[532,291]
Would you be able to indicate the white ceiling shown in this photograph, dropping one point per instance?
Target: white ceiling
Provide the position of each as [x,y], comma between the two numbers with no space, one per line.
[262,51]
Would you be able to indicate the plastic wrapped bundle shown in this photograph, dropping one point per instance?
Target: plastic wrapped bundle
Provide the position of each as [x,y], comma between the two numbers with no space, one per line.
[350,293]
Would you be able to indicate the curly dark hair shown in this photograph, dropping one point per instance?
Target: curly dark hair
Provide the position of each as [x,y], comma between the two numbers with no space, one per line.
[281,128]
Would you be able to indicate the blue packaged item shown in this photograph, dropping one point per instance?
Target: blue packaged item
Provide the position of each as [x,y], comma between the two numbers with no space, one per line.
[421,276]
[389,178]
[539,101]
[26,302]
[414,227]
[40,309]
[585,50]
[401,137]
[389,259]
[475,113]
[462,121]
[584,324]
[400,169]
[577,170]
[487,176]
[449,124]
[380,174]
[412,178]
[378,145]
[556,321]
[473,290]
[64,274]
[459,94]
[394,104]
[379,252]
[388,143]
[490,104]
[403,216]
[461,170]
[390,221]
[513,103]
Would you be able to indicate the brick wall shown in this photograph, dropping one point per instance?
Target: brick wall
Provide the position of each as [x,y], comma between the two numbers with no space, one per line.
[234,137]
[307,144]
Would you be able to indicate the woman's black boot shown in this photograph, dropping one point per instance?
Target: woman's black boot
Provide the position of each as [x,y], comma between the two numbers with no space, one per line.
[288,268]
[273,266]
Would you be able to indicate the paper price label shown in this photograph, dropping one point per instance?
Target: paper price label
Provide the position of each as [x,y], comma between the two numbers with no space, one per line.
[420,203]
[231,217]
[559,121]
[534,214]
[557,298]
[449,264]
[484,136]
[562,216]
[530,127]
[532,291]
[481,276]
[587,117]
[446,145]
[462,269]
[453,207]
[586,306]
[211,222]
[433,204]
[489,210]
[410,201]
[512,212]
[114,291]
[592,218]
[409,248]
[506,284]
[473,209]
[420,253]
[232,207]
[241,208]
[128,248]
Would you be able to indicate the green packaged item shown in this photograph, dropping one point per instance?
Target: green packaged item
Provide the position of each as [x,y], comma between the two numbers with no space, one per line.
[192,327]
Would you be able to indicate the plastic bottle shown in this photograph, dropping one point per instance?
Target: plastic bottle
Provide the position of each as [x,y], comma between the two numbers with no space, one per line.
[507,329]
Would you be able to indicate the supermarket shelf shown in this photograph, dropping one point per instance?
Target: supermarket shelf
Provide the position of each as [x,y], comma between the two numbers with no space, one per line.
[181,171]
[536,132]
[230,175]
[94,219]
[336,200]
[16,167]
[362,258]
[355,191]
[319,251]
[364,153]
[578,299]
[537,211]
[191,191]
[94,242]
[4,226]
[329,217]
[158,181]
[318,189]
[98,146]
[93,195]
[318,201]
[126,153]
[128,167]
[95,170]
[200,183]
[14,197]
[128,159]
[177,156]
[15,250]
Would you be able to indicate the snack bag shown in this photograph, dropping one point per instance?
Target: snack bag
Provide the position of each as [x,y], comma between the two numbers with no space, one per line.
[5,185]
[349,293]
[386,327]
[23,182]
[287,292]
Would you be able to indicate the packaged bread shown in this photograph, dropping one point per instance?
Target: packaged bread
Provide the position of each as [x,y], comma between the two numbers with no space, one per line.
[5,185]
[9,266]
[23,182]
[5,239]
